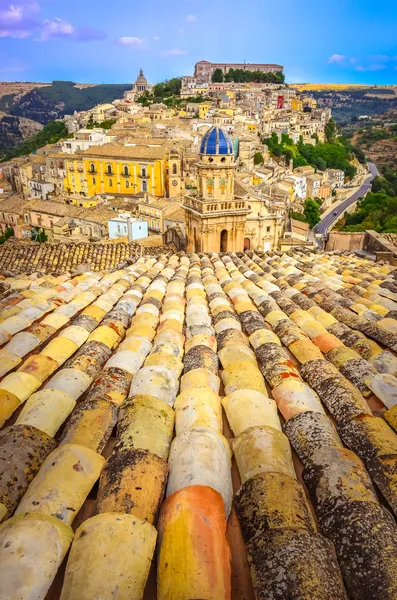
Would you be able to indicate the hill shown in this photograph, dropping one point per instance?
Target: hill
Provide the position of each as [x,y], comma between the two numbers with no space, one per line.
[37,105]
[349,104]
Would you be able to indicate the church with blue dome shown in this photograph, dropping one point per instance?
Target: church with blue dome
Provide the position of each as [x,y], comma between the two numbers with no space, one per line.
[215,218]
[215,142]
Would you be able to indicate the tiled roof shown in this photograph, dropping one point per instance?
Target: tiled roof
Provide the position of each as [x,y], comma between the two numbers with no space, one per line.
[30,257]
[95,215]
[115,150]
[127,366]
[13,204]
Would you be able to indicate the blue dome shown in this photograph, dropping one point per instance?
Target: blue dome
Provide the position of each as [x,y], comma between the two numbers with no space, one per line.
[216,141]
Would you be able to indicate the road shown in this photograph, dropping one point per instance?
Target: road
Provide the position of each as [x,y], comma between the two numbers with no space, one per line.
[331,217]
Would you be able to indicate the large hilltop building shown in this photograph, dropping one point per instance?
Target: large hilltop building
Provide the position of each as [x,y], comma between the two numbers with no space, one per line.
[203,70]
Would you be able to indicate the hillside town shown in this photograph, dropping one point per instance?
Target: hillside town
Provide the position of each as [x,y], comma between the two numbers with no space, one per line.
[197,175]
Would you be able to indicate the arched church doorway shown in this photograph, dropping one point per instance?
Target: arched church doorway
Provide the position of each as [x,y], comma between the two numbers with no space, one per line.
[223,244]
[247,244]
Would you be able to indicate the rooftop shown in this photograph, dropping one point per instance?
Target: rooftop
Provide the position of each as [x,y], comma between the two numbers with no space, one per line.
[102,365]
[115,150]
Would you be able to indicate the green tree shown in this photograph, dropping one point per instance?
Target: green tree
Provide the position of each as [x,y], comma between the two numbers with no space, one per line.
[217,76]
[258,158]
[312,212]
[39,235]
[330,130]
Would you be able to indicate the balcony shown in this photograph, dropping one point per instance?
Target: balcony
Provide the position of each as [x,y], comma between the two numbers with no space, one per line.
[126,175]
[93,172]
[143,175]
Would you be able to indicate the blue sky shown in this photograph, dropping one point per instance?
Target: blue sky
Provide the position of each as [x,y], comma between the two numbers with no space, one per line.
[344,41]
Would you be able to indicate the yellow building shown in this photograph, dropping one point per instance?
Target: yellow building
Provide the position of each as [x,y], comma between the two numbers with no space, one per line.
[296,104]
[98,112]
[74,182]
[204,107]
[127,170]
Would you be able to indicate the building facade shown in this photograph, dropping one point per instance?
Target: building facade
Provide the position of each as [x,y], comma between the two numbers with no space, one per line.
[126,170]
[215,218]
[203,70]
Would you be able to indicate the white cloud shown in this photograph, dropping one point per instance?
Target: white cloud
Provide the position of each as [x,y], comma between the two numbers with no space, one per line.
[174,52]
[336,59]
[18,20]
[191,18]
[56,28]
[130,41]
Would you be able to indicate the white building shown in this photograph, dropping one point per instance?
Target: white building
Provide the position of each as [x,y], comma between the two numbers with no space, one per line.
[85,138]
[300,186]
[40,189]
[126,226]
[336,178]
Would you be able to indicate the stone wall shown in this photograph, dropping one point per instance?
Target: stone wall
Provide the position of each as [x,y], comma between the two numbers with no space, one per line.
[338,240]
[376,243]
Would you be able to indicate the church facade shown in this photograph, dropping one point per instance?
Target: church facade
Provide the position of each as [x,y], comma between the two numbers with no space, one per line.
[215,216]
[224,214]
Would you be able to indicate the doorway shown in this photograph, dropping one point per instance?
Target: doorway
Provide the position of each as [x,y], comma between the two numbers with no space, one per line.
[223,240]
[247,244]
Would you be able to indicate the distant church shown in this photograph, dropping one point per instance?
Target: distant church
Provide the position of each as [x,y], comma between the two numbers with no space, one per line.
[215,216]
[139,87]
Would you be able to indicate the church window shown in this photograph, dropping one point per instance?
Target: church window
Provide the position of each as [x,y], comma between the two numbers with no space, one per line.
[174,169]
[144,186]
[109,169]
[143,171]
[127,184]
[268,228]
[93,181]
[110,183]
[92,168]
[223,159]
[126,172]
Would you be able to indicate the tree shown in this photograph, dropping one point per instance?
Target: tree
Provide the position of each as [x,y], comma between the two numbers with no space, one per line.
[39,235]
[217,76]
[312,212]
[330,130]
[90,124]
[258,158]
[8,232]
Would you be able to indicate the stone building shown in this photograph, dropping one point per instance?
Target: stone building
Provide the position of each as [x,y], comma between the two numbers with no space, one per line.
[203,70]
[215,217]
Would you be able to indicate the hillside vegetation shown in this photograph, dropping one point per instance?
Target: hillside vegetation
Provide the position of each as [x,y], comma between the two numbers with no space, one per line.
[335,153]
[350,104]
[378,210]
[63,98]
[26,113]
[49,134]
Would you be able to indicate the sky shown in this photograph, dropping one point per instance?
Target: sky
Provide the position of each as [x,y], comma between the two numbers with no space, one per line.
[344,41]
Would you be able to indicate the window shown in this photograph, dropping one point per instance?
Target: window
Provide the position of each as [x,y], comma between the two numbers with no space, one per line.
[127,184]
[109,169]
[144,186]
[174,169]
[61,164]
[126,172]
[110,183]
[143,171]
[118,228]
[268,228]
[92,168]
